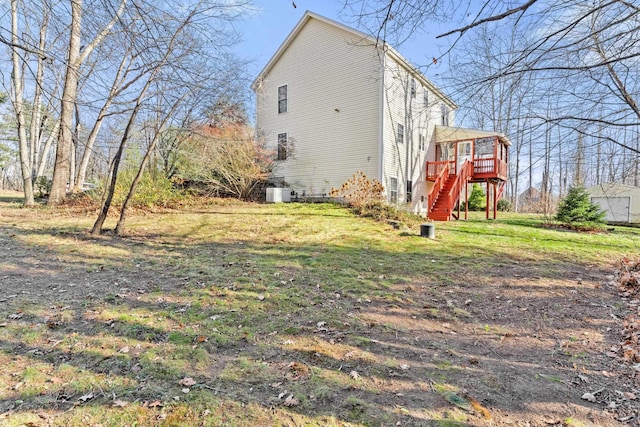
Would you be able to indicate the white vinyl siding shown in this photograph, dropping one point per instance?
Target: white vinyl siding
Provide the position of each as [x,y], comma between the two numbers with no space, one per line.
[407,161]
[333,119]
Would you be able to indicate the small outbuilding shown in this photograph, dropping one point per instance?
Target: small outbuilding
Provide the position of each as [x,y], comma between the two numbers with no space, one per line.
[620,202]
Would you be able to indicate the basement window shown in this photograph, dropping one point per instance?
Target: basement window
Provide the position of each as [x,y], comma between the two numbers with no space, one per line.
[393,191]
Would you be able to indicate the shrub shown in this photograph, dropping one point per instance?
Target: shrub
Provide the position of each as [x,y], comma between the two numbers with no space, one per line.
[577,208]
[360,192]
[477,199]
[365,197]
[504,205]
[152,191]
[228,162]
[43,185]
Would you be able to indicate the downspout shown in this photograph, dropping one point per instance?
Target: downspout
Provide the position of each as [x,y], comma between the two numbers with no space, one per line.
[381,124]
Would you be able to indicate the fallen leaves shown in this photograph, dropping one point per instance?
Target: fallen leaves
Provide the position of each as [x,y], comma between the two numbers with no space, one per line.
[187,382]
[291,401]
[120,403]
[467,403]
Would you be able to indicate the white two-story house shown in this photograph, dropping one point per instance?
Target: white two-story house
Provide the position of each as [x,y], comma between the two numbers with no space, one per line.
[333,101]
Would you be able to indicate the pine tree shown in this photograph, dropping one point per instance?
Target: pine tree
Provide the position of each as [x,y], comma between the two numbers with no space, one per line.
[577,207]
[477,199]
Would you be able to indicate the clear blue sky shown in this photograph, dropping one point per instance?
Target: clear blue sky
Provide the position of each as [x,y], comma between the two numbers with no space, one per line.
[272,20]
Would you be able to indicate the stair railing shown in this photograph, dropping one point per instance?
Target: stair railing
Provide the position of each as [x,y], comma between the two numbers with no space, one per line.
[441,178]
[462,178]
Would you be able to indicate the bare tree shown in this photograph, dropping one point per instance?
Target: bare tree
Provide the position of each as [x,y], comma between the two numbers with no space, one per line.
[173,44]
[75,58]
[18,107]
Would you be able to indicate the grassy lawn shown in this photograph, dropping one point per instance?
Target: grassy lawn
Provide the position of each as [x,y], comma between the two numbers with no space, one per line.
[243,314]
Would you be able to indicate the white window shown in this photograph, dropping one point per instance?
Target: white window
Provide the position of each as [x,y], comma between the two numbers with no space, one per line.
[422,144]
[464,149]
[282,146]
[282,99]
[425,98]
[393,190]
[400,136]
[445,114]
[413,88]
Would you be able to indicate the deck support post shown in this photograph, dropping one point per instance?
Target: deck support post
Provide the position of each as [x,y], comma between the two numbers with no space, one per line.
[466,201]
[486,209]
[495,200]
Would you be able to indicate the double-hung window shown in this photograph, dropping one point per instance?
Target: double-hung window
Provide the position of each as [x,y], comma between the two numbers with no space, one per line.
[445,114]
[282,99]
[400,136]
[393,190]
[282,146]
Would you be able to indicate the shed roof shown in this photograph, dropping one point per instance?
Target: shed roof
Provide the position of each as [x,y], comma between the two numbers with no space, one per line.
[447,133]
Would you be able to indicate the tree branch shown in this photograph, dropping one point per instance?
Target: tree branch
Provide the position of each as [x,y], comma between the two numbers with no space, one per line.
[509,12]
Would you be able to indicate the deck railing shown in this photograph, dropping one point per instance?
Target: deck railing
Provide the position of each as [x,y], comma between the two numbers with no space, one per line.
[461,179]
[484,168]
[434,169]
[490,166]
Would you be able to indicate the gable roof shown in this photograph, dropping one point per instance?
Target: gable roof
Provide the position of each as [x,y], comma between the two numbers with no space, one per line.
[394,54]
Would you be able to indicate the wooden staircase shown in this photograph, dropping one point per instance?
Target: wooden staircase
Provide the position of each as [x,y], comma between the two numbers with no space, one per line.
[445,192]
[441,209]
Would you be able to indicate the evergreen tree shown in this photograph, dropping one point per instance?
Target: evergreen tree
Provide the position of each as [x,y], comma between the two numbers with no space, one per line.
[477,199]
[577,207]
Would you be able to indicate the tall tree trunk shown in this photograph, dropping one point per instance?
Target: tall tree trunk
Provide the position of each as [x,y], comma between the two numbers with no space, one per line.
[61,171]
[150,150]
[18,105]
[113,178]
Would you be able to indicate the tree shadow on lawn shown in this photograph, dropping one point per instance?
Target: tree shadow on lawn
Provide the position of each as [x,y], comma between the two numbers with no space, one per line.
[405,327]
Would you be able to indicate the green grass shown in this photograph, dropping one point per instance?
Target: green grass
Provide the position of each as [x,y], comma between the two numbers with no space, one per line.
[252,301]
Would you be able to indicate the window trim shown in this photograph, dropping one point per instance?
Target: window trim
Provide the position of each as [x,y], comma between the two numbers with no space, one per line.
[400,134]
[393,193]
[283,101]
[282,152]
[444,112]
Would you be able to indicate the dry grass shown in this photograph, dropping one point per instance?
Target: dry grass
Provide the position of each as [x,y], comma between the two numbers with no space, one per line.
[302,315]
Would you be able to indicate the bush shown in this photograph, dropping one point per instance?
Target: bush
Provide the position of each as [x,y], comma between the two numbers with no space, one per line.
[577,208]
[228,162]
[360,192]
[504,205]
[43,185]
[477,199]
[151,191]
